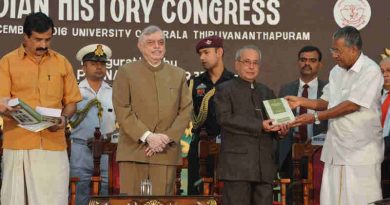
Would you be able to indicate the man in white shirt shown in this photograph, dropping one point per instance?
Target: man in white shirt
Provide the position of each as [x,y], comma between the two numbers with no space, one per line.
[385,68]
[353,149]
[95,110]
[309,64]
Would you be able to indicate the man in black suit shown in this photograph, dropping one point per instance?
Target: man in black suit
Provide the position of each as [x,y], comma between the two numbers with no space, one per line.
[247,163]
[309,64]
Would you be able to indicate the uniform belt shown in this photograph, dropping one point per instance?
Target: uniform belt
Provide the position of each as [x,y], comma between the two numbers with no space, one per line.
[79,141]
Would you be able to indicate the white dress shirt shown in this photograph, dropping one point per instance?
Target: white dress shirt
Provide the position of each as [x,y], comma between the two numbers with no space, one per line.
[87,127]
[312,94]
[355,138]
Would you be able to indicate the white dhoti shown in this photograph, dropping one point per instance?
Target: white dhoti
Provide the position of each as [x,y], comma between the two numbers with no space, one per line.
[35,177]
[351,185]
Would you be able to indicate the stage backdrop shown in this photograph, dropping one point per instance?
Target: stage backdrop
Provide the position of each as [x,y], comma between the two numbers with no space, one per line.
[278,27]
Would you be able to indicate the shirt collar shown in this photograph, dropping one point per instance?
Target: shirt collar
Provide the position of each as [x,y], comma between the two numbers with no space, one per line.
[151,67]
[226,75]
[247,84]
[311,84]
[357,66]
[84,84]
[385,92]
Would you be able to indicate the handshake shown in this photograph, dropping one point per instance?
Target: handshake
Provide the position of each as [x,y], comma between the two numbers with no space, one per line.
[157,142]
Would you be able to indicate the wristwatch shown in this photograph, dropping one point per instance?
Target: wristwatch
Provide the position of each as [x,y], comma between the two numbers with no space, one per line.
[316,120]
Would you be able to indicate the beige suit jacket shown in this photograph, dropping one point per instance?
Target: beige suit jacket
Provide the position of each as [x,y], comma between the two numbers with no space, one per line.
[154,99]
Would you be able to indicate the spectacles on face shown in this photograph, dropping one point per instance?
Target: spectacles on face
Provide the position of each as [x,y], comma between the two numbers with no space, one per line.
[311,60]
[151,43]
[248,62]
[385,70]
[336,51]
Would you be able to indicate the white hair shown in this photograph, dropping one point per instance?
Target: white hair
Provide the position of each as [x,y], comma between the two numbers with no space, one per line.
[150,30]
[248,47]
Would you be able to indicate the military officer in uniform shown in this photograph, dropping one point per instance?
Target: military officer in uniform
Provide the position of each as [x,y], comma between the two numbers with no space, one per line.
[210,50]
[95,110]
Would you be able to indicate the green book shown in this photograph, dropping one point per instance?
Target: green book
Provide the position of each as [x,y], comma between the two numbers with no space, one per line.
[278,110]
[31,119]
[25,115]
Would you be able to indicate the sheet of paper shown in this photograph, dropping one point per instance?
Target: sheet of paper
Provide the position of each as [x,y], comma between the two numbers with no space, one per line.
[37,127]
[50,112]
[318,139]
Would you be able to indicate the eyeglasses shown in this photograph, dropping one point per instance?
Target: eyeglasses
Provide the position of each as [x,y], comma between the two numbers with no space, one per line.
[249,63]
[335,51]
[151,43]
[311,60]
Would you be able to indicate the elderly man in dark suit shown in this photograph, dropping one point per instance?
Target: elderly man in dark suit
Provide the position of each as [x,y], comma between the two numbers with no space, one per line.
[247,163]
[308,85]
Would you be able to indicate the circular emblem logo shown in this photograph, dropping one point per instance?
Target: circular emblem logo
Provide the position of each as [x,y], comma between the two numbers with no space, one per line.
[356,13]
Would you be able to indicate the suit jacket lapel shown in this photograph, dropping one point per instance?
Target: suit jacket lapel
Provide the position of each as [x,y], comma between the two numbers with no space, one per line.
[321,85]
[295,88]
[294,91]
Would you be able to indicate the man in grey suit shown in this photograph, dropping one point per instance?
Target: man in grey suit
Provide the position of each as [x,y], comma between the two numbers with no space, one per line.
[247,164]
[309,64]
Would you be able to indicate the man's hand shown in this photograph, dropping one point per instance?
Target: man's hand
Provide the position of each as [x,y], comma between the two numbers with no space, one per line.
[282,129]
[269,127]
[303,120]
[156,143]
[165,139]
[294,101]
[149,152]
[4,108]
[59,125]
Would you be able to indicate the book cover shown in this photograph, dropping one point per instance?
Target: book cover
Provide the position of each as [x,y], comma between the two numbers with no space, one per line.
[36,119]
[25,115]
[278,110]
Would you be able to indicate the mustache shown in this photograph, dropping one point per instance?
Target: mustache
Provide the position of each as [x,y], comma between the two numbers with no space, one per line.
[307,66]
[41,49]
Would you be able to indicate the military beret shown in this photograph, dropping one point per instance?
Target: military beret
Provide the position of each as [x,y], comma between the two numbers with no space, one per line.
[210,42]
[94,52]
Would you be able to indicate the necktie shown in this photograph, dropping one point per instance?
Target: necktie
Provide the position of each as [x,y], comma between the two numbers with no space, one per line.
[385,108]
[303,110]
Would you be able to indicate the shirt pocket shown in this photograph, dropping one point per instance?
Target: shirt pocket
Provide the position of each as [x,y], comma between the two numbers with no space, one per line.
[108,124]
[55,86]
